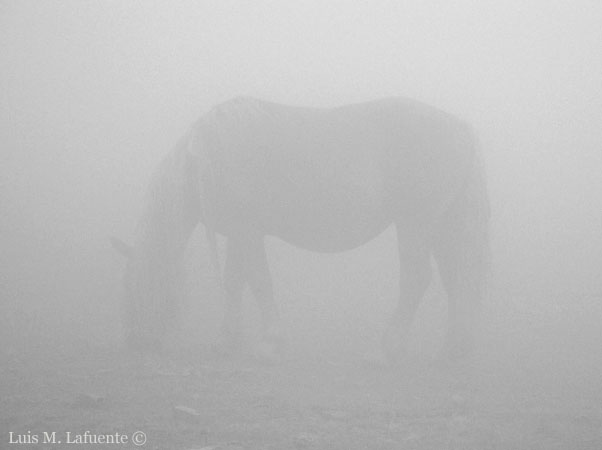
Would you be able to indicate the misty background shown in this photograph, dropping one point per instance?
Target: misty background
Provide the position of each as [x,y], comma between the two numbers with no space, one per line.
[93,94]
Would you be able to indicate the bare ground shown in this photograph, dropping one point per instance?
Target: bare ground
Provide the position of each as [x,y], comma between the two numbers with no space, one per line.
[540,389]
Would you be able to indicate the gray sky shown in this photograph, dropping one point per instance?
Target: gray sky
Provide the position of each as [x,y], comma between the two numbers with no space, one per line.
[94,93]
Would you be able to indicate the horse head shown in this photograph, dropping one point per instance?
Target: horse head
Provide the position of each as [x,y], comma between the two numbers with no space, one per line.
[152,289]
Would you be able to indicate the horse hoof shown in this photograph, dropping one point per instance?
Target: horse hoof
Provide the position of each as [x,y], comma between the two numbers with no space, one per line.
[268,353]
[398,360]
[275,335]
[143,345]
[226,347]
[457,350]
[375,360]
[395,353]
[453,359]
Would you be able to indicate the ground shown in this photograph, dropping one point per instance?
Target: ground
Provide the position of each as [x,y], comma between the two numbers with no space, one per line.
[542,395]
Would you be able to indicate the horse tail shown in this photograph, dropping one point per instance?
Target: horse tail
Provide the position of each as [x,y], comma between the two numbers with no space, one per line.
[474,205]
[461,248]
[462,241]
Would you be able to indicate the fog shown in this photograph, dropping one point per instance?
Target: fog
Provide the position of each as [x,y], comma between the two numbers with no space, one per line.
[94,94]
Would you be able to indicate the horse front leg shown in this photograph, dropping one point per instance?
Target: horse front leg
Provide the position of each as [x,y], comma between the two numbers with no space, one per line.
[258,276]
[246,262]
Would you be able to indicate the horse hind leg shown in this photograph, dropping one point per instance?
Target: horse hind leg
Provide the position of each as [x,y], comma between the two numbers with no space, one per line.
[461,250]
[230,339]
[414,278]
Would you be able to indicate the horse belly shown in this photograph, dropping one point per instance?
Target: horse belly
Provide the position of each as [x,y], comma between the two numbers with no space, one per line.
[321,203]
[328,205]
[329,222]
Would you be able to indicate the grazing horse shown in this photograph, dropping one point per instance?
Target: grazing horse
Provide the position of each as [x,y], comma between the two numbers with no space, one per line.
[326,180]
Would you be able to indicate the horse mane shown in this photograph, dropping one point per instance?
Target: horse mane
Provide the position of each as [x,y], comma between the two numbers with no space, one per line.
[480,196]
[170,213]
[171,203]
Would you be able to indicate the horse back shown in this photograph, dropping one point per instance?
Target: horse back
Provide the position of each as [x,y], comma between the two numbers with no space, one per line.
[372,162]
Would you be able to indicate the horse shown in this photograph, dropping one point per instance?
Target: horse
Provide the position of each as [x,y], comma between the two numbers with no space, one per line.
[325,180]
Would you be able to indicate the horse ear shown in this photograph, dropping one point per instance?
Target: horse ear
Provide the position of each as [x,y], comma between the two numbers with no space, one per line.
[121,247]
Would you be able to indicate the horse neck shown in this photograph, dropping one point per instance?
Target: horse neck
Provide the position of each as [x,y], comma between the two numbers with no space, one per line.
[165,243]
[170,214]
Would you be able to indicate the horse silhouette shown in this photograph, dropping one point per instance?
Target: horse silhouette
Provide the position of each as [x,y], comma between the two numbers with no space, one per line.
[326,180]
